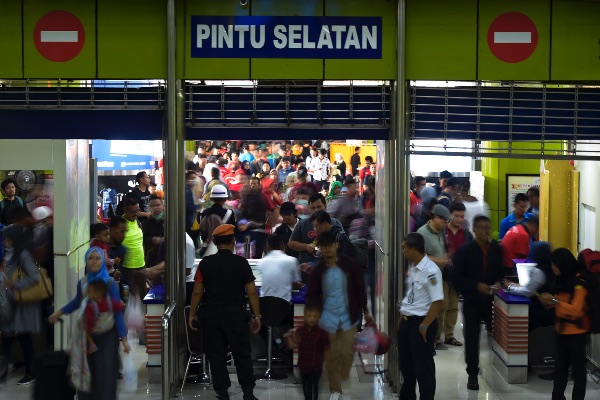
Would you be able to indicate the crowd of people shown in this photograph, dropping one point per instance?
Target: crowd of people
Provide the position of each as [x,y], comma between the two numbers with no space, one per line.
[453,256]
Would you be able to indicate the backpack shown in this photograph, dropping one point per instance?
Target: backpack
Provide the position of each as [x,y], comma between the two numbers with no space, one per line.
[360,249]
[20,200]
[590,261]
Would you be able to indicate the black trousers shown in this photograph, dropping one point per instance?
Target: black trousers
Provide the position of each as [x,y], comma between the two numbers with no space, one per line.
[310,384]
[570,352]
[473,313]
[26,344]
[227,330]
[416,359]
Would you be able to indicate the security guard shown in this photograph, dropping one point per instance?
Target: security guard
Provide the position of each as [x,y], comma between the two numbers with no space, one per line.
[223,280]
[417,321]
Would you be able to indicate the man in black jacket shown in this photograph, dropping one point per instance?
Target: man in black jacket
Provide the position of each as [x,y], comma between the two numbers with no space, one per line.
[477,266]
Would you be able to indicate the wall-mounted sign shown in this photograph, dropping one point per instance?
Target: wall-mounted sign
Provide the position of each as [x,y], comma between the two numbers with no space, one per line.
[512,37]
[519,183]
[59,36]
[286,37]
[120,155]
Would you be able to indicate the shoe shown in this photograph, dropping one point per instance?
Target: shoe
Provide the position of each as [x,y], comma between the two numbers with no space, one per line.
[472,383]
[223,395]
[547,377]
[26,380]
[92,348]
[335,396]
[453,342]
[251,397]
[120,376]
[434,353]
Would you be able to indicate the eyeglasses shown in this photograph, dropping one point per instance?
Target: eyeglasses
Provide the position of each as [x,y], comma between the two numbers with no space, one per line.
[133,211]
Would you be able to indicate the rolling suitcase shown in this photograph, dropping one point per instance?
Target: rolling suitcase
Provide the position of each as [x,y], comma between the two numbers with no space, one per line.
[53,381]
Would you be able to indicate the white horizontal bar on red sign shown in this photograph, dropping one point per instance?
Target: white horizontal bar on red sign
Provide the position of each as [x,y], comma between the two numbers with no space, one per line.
[512,37]
[59,37]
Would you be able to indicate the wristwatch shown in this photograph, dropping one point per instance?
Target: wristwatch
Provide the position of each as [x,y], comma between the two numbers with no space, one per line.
[423,327]
[257,316]
[554,301]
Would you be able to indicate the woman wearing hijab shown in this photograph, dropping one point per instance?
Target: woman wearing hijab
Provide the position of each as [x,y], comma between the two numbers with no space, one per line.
[572,324]
[27,317]
[334,190]
[96,379]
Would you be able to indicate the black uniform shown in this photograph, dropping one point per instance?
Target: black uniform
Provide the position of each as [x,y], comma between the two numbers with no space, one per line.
[225,276]
[471,266]
[285,232]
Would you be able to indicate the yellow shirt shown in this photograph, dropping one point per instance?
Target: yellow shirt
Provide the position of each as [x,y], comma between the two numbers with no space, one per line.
[134,243]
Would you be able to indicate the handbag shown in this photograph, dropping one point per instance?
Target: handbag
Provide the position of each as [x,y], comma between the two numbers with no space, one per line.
[42,290]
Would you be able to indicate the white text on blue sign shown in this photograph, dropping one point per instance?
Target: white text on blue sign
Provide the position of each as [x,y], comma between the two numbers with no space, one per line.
[286,37]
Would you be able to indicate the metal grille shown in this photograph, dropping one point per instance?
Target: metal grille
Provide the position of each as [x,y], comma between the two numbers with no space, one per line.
[82,95]
[309,106]
[499,119]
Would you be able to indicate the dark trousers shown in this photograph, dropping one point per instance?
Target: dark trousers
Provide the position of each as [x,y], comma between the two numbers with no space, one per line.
[416,359]
[473,313]
[227,330]
[26,344]
[136,279]
[310,384]
[570,352]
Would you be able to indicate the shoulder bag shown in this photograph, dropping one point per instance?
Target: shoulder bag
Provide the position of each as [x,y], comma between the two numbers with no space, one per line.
[42,290]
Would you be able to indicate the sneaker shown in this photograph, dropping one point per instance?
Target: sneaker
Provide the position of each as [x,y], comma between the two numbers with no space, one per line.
[26,380]
[251,397]
[335,396]
[473,383]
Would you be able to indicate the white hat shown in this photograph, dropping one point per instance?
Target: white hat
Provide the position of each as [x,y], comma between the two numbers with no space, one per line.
[41,213]
[218,192]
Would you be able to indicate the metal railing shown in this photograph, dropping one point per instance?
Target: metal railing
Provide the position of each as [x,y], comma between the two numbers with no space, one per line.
[168,352]
[82,94]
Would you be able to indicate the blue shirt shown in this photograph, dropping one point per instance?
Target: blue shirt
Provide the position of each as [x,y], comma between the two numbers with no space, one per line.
[335,313]
[511,221]
[283,174]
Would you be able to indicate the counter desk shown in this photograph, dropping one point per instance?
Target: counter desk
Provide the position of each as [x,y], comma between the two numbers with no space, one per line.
[510,338]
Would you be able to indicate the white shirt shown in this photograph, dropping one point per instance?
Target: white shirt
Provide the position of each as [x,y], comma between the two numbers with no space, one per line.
[537,279]
[320,168]
[423,287]
[278,271]
[190,258]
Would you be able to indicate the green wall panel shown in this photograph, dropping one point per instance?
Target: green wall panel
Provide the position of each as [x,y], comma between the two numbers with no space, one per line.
[537,66]
[132,39]
[11,64]
[575,35]
[83,65]
[210,68]
[289,68]
[441,40]
[382,69]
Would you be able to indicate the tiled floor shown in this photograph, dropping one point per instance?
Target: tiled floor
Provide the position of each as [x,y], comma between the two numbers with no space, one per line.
[451,383]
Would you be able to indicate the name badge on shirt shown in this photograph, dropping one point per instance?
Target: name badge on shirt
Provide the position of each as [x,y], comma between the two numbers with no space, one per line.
[432,279]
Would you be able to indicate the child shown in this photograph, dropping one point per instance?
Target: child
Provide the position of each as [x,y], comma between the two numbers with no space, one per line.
[313,349]
[99,308]
[100,238]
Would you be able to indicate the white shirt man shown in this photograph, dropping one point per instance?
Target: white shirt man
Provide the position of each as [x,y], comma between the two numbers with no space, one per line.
[279,271]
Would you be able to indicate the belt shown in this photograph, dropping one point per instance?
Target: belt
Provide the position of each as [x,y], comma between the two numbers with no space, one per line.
[412,317]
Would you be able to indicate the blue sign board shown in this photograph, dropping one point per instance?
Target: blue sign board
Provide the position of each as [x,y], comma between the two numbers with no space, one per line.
[286,37]
[122,155]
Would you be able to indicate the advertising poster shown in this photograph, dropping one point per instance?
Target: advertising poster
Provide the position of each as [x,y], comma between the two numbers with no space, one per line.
[518,184]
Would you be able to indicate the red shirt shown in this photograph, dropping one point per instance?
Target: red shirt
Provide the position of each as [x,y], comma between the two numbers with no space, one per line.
[455,241]
[515,244]
[311,349]
[414,202]
[90,312]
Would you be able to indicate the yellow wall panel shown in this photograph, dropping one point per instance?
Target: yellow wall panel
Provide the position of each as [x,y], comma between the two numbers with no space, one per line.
[132,39]
[11,64]
[512,37]
[81,66]
[382,69]
[441,40]
[575,35]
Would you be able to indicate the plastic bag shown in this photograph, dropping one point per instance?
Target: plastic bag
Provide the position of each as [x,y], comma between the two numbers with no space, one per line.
[135,317]
[130,374]
[366,341]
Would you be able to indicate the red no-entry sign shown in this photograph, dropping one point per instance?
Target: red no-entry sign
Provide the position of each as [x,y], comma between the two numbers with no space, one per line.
[512,37]
[59,36]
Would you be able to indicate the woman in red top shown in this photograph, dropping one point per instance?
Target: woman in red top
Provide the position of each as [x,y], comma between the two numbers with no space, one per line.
[572,324]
